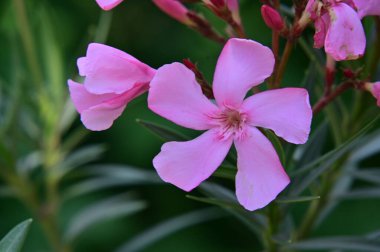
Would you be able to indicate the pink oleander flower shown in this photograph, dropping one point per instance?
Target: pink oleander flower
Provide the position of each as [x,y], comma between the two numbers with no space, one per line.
[338,28]
[113,78]
[176,95]
[374,88]
[108,4]
[368,7]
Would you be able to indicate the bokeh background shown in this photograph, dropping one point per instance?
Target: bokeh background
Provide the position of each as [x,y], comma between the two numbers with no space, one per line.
[142,30]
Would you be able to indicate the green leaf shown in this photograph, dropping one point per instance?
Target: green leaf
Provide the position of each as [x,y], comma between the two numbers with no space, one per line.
[115,207]
[109,176]
[276,143]
[225,171]
[80,157]
[346,243]
[327,160]
[366,193]
[313,147]
[285,200]
[216,202]
[162,132]
[169,227]
[14,240]
[370,175]
[253,220]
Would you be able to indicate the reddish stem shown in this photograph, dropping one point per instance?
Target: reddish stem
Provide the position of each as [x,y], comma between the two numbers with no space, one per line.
[328,98]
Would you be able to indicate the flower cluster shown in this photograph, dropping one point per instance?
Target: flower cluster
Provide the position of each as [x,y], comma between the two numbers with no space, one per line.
[338,26]
[113,78]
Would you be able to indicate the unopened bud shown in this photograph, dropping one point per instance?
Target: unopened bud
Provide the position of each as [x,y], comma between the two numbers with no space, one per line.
[348,73]
[174,9]
[272,18]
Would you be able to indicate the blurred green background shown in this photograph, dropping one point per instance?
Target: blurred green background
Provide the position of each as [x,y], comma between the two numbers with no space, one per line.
[143,31]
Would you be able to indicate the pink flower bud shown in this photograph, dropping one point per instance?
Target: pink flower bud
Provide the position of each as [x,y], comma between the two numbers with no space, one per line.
[108,4]
[374,88]
[233,6]
[174,9]
[272,18]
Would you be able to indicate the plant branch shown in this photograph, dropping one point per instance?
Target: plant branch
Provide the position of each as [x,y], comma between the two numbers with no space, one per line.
[328,98]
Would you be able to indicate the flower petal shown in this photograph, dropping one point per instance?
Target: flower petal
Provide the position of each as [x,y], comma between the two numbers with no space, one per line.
[368,7]
[286,111]
[376,92]
[83,99]
[241,65]
[109,70]
[260,177]
[101,117]
[108,4]
[99,111]
[345,39]
[187,164]
[175,94]
[321,27]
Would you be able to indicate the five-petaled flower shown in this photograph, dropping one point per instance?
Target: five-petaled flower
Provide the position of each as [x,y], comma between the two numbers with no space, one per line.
[175,95]
[338,28]
[113,78]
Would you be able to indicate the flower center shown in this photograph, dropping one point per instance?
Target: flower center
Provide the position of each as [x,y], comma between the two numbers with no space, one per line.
[232,123]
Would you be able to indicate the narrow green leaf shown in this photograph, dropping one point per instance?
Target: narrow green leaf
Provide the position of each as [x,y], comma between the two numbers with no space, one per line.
[226,171]
[313,148]
[116,207]
[168,227]
[366,193]
[162,132]
[338,152]
[297,199]
[216,202]
[14,240]
[276,143]
[326,161]
[253,220]
[110,176]
[346,243]
[80,157]
[370,175]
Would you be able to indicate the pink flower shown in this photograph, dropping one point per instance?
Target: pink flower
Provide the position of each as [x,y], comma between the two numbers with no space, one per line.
[375,90]
[368,7]
[174,9]
[108,4]
[175,95]
[113,78]
[338,28]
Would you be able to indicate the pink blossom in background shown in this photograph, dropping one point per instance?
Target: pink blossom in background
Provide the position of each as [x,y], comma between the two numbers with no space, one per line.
[108,4]
[338,28]
[176,95]
[375,89]
[368,7]
[113,78]
[174,9]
